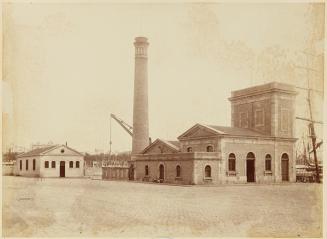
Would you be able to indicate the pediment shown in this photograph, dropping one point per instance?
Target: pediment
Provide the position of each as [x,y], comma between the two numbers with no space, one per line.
[62,150]
[159,146]
[198,131]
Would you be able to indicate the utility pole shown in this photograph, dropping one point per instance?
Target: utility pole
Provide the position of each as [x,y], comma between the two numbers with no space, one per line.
[312,133]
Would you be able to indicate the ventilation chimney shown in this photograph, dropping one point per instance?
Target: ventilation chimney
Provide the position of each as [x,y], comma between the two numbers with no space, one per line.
[140,106]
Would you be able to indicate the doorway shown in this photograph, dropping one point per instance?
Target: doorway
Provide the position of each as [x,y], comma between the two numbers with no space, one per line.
[161,173]
[250,167]
[131,172]
[285,175]
[62,169]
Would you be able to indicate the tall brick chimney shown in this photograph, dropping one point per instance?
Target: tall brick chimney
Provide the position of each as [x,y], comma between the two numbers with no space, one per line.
[140,107]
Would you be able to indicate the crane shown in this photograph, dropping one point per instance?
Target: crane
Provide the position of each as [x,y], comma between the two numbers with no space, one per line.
[124,125]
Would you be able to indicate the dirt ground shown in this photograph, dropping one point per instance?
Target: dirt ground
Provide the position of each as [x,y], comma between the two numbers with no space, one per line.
[84,207]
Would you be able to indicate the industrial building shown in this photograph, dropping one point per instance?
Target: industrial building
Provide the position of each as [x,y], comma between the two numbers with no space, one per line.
[51,161]
[258,147]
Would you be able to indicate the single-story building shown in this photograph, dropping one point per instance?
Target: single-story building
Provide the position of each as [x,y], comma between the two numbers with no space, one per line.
[51,161]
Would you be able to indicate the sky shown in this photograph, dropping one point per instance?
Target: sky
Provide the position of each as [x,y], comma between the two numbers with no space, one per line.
[67,66]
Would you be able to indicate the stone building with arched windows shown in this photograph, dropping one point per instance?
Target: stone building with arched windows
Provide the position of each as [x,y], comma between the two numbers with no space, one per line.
[258,147]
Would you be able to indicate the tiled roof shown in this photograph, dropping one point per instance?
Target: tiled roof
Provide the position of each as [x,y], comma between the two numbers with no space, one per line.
[235,131]
[37,151]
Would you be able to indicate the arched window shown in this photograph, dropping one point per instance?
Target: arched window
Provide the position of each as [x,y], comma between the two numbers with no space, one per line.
[33,164]
[77,164]
[231,162]
[146,170]
[178,171]
[285,156]
[26,164]
[209,148]
[268,162]
[189,149]
[46,164]
[20,164]
[250,156]
[207,171]
[285,167]
[71,164]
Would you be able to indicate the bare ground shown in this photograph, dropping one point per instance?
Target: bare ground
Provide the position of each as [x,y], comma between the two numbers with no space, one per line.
[84,207]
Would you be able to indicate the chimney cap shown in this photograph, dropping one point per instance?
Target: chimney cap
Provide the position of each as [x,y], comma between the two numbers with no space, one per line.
[141,40]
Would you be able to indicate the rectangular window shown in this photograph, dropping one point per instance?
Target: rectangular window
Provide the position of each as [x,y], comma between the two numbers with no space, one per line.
[284,120]
[259,117]
[46,164]
[71,164]
[20,165]
[268,164]
[33,164]
[53,164]
[26,164]
[243,119]
[77,164]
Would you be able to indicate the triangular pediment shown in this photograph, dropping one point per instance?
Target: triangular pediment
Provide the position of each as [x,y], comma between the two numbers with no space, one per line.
[198,131]
[160,146]
[62,150]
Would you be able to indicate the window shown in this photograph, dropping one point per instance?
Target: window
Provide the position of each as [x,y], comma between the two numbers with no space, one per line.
[284,120]
[268,162]
[243,119]
[20,165]
[146,170]
[33,164]
[259,117]
[26,164]
[207,171]
[250,156]
[46,164]
[77,164]
[71,164]
[62,151]
[178,171]
[53,164]
[189,149]
[285,156]
[231,162]
[209,148]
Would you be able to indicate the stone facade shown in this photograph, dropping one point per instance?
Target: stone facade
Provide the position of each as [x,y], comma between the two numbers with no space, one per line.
[259,147]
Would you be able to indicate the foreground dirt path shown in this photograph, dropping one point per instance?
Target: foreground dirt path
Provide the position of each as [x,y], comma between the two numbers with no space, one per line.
[83,207]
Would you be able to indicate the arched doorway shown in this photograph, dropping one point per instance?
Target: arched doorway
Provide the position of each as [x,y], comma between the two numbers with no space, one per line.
[161,173]
[131,172]
[250,167]
[285,160]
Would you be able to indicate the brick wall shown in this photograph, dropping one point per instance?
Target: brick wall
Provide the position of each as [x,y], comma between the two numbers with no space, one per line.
[200,145]
[169,171]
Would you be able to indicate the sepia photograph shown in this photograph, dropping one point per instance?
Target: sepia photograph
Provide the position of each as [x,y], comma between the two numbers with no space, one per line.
[162,119]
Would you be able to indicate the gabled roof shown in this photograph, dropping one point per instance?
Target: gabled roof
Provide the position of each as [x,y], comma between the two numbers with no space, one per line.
[223,130]
[235,131]
[174,145]
[43,150]
[37,151]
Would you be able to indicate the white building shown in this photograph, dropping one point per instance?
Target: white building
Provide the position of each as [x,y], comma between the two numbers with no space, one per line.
[51,161]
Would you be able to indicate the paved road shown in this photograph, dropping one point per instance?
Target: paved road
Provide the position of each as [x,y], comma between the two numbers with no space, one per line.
[84,207]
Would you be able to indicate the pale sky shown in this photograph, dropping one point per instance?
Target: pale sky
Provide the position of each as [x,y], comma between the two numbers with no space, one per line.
[68,66]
